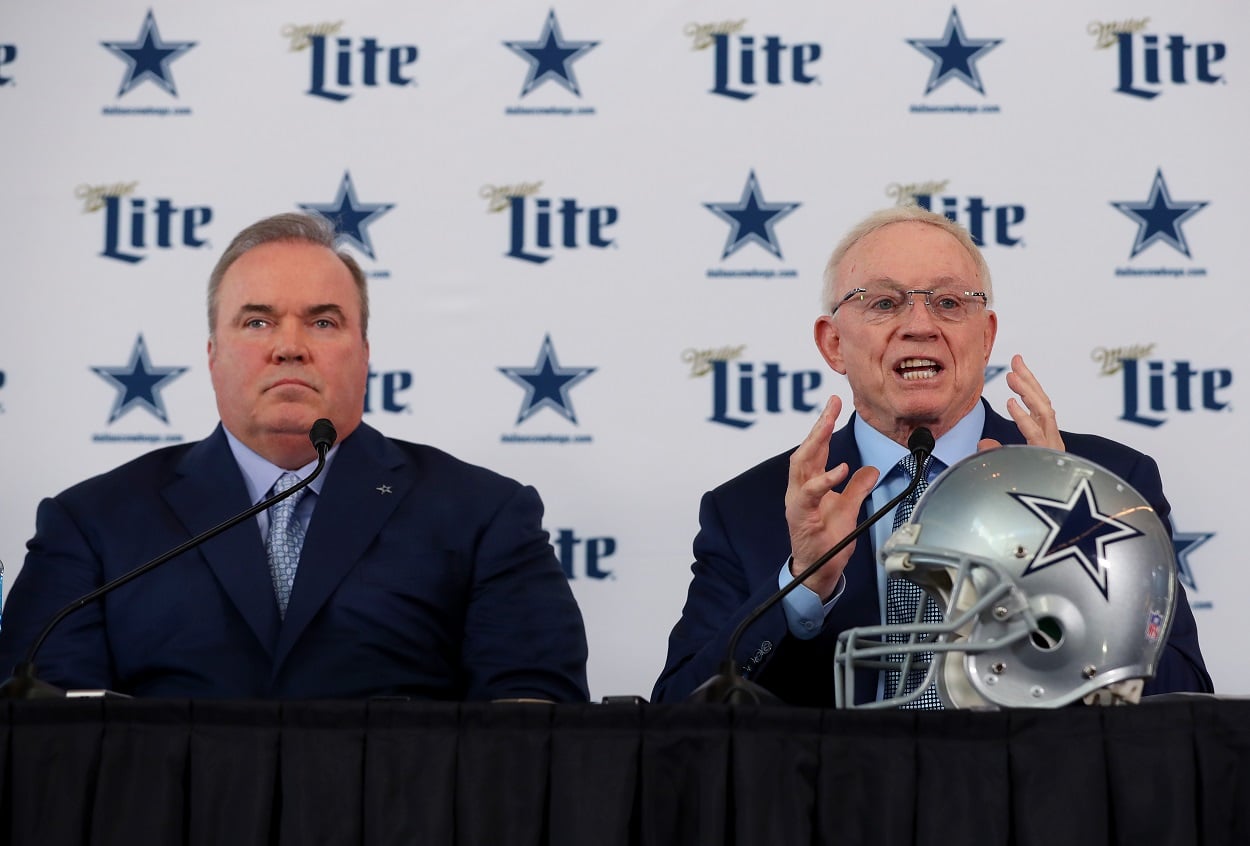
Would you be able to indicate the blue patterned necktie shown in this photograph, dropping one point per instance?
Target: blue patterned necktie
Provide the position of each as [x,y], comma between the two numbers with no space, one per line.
[902,598]
[286,538]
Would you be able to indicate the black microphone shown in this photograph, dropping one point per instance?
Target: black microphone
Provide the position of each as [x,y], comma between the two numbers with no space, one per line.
[323,436]
[25,683]
[728,686]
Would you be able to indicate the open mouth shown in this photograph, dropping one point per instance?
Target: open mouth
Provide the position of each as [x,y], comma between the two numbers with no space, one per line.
[912,369]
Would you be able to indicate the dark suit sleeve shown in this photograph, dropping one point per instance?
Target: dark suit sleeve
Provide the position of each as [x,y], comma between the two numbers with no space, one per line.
[722,593]
[523,632]
[60,567]
[1181,667]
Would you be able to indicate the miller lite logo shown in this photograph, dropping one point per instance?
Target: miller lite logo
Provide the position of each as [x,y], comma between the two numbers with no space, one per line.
[743,390]
[988,223]
[539,226]
[1146,63]
[583,557]
[384,391]
[341,65]
[134,225]
[742,61]
[1154,389]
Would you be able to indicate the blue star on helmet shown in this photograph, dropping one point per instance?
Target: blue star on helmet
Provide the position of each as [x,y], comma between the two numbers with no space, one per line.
[1184,543]
[351,218]
[148,57]
[1077,531]
[1159,218]
[550,57]
[751,219]
[954,55]
[547,384]
[138,383]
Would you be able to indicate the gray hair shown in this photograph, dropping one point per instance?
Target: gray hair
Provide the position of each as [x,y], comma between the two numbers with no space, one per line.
[901,214]
[289,226]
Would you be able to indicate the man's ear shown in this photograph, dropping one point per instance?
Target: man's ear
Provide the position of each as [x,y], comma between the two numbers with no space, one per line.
[991,332]
[829,342]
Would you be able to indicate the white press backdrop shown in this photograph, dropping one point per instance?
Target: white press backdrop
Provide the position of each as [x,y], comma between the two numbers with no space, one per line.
[641,198]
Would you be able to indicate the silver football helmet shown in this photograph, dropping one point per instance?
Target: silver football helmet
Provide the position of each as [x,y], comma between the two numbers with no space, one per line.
[1055,577]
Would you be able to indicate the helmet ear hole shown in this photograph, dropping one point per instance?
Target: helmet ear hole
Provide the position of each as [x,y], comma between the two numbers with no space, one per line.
[1049,634]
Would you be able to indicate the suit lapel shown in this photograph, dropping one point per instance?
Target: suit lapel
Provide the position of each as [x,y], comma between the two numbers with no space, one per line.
[842,447]
[364,487]
[1002,429]
[860,604]
[210,489]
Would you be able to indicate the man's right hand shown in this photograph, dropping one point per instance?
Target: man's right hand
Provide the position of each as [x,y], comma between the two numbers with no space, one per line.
[817,516]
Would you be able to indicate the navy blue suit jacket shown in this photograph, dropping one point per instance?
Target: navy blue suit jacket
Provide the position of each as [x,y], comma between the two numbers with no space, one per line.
[420,576]
[743,541]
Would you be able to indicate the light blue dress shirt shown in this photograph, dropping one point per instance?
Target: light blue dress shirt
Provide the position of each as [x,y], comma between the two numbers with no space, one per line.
[260,476]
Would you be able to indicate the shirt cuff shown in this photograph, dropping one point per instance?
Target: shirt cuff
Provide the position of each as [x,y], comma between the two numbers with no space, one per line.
[805,614]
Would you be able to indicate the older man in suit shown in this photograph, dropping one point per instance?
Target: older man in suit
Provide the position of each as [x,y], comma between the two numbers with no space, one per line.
[418,574]
[907,321]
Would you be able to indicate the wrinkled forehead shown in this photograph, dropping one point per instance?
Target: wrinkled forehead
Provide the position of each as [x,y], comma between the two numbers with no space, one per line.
[909,255]
[935,284]
[292,270]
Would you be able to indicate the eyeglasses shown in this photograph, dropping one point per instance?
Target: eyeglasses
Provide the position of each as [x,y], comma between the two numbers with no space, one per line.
[882,306]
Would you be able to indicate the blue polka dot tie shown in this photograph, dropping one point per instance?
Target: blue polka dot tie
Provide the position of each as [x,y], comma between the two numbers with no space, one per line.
[902,598]
[286,538]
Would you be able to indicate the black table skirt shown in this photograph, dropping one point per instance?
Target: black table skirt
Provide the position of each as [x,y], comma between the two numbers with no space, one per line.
[387,772]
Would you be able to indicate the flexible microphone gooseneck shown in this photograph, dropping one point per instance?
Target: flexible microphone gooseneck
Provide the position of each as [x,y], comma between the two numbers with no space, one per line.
[25,683]
[728,686]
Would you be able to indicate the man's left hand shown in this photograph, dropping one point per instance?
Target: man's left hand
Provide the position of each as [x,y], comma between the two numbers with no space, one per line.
[1033,413]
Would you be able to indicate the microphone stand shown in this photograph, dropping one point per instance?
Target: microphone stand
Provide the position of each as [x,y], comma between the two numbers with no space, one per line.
[25,682]
[728,686]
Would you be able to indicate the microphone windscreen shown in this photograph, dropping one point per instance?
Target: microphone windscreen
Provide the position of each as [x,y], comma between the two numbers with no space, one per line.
[921,440]
[322,434]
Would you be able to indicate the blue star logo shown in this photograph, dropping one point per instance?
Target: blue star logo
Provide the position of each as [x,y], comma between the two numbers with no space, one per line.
[351,218]
[1159,218]
[1185,543]
[954,55]
[148,57]
[138,383]
[1077,531]
[547,384]
[550,57]
[751,219]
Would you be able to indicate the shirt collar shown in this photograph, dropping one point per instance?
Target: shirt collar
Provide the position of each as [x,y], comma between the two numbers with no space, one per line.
[260,474]
[876,450]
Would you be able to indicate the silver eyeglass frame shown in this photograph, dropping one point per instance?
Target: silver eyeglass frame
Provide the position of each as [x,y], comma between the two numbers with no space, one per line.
[854,292]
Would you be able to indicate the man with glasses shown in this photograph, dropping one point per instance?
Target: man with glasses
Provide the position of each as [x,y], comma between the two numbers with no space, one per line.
[907,321]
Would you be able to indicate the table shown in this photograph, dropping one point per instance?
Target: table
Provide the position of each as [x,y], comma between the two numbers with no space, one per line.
[109,771]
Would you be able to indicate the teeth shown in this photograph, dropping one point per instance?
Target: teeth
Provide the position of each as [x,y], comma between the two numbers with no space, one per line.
[918,368]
